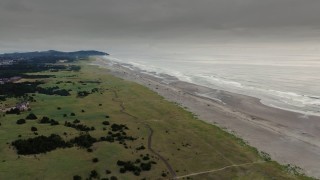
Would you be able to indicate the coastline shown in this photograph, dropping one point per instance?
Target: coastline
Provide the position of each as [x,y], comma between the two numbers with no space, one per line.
[280,133]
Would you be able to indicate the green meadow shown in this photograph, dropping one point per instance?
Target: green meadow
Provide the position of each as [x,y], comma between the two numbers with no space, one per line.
[179,143]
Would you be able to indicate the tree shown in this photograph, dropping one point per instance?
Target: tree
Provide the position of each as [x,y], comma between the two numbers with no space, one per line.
[77,177]
[21,121]
[106,123]
[31,116]
[34,129]
[95,160]
[93,174]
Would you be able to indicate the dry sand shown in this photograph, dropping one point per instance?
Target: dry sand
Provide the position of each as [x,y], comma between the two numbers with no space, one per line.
[289,137]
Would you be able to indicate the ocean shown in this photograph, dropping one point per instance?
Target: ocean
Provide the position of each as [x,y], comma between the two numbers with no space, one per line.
[286,81]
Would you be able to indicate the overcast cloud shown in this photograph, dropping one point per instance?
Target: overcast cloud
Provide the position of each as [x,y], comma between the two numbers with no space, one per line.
[112,24]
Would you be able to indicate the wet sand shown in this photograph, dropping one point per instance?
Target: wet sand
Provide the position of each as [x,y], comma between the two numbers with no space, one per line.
[289,137]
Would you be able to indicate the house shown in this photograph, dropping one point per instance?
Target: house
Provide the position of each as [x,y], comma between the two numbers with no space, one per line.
[24,106]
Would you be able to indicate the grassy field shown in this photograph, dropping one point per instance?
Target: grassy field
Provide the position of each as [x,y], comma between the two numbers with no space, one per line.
[187,144]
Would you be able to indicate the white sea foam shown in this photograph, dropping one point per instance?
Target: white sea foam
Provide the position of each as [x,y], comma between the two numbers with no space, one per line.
[239,79]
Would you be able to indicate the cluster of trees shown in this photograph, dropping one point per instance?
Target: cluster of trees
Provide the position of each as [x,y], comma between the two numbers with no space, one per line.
[118,134]
[43,144]
[79,127]
[94,175]
[13,111]
[18,89]
[46,120]
[84,141]
[40,144]
[53,91]
[86,93]
[83,93]
[119,127]
[140,148]
[135,167]
[22,89]
[84,82]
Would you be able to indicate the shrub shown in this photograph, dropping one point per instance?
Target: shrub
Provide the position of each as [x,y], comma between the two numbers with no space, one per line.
[13,111]
[45,120]
[145,166]
[106,123]
[113,178]
[95,160]
[140,148]
[84,141]
[122,170]
[31,116]
[77,177]
[76,121]
[21,121]
[93,174]
[34,129]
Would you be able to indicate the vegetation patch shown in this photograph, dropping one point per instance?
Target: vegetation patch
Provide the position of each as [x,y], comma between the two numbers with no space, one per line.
[46,120]
[40,144]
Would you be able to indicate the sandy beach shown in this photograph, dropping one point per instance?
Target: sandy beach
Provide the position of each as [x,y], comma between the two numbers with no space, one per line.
[289,137]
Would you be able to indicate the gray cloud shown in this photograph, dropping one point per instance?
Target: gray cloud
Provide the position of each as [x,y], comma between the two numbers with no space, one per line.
[73,23]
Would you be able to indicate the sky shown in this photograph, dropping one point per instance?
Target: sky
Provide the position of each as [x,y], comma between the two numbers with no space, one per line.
[143,25]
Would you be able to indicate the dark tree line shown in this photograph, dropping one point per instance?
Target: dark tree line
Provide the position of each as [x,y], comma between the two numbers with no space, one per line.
[43,144]
[40,144]
[79,127]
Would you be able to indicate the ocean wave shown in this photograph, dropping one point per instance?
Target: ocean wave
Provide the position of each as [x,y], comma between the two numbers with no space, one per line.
[283,99]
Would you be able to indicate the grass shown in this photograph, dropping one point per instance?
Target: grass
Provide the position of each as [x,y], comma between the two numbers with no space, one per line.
[189,145]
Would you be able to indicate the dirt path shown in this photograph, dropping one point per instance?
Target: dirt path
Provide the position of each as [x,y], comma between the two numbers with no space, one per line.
[215,170]
[123,110]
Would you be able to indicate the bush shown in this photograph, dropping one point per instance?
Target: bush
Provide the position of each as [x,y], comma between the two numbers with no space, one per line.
[93,174]
[95,160]
[106,123]
[140,148]
[46,120]
[84,141]
[122,170]
[113,178]
[145,166]
[21,121]
[13,111]
[31,116]
[34,129]
[77,177]
[76,121]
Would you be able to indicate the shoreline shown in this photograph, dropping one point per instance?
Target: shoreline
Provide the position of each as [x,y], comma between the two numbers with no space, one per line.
[282,134]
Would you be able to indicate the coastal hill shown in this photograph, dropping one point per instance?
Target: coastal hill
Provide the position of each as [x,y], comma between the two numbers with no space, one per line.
[37,55]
